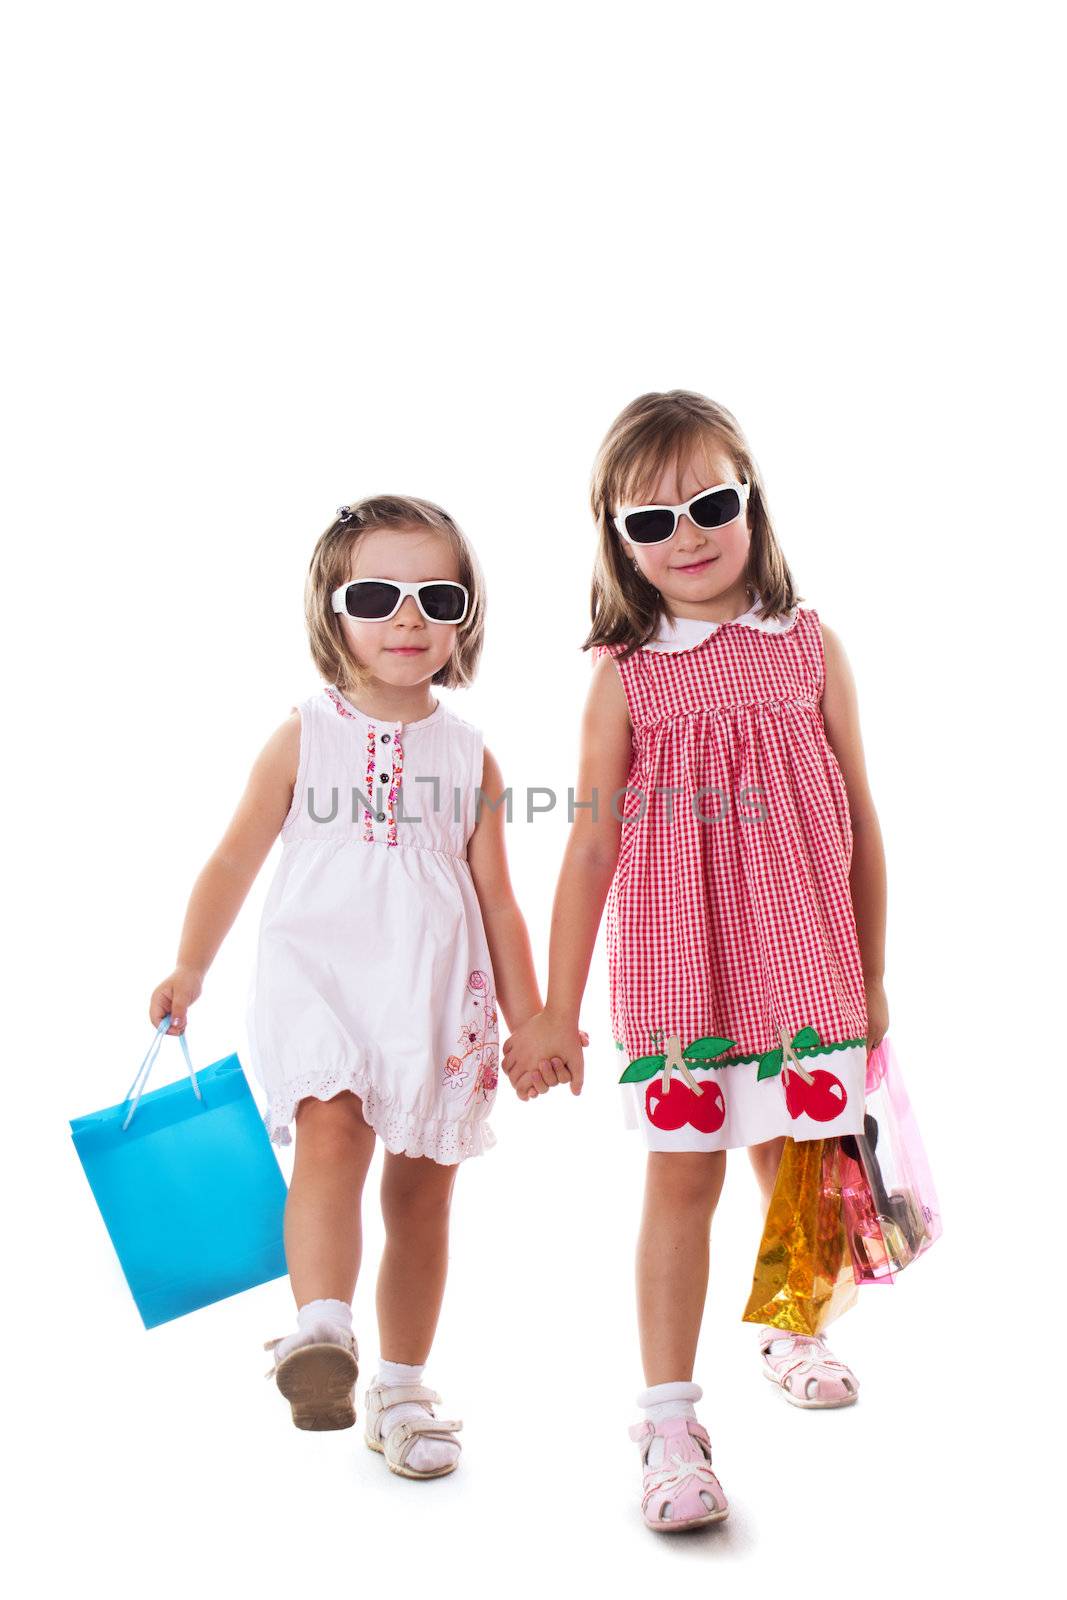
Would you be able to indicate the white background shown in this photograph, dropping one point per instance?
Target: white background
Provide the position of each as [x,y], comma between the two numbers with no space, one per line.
[263,259]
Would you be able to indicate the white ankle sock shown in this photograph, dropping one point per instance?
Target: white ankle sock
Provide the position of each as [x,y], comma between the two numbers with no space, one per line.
[314,1311]
[317,1322]
[425,1455]
[665,1400]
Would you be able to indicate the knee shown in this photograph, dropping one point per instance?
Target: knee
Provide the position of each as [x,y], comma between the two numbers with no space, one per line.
[332,1130]
[417,1201]
[686,1181]
[766,1159]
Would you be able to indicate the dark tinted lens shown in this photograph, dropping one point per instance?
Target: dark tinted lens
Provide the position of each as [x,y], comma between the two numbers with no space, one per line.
[715,509]
[444,602]
[370,601]
[649,527]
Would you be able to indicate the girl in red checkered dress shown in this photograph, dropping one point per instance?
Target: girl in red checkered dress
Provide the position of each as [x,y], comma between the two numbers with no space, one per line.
[735,844]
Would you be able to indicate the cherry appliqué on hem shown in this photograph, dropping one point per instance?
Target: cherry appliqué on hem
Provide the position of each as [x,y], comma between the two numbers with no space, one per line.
[674,1097]
[819,1095]
[671,1102]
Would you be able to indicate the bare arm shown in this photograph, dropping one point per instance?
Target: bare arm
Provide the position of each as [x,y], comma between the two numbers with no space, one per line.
[224,881]
[867,877]
[505,929]
[584,879]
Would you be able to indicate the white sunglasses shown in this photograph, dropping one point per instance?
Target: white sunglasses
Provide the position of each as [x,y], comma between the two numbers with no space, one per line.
[378,599]
[711,508]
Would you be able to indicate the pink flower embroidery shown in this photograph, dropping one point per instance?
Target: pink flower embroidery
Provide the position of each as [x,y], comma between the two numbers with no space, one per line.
[368,830]
[454,1072]
[394,789]
[478,1043]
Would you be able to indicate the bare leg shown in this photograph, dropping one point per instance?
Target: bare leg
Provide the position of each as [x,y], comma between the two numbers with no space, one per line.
[682,1189]
[416,1196]
[766,1159]
[323,1230]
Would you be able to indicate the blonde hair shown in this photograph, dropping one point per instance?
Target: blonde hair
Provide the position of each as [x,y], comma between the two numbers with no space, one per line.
[331,564]
[653,432]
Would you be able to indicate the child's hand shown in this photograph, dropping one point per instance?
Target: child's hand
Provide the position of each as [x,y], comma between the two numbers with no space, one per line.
[544,1052]
[175,994]
[546,1075]
[877,1013]
[538,1080]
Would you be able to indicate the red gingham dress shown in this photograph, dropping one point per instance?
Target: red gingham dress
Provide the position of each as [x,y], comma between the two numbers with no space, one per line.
[739,926]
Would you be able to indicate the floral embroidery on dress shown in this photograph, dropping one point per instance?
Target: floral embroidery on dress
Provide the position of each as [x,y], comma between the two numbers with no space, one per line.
[478,1039]
[372,765]
[398,769]
[339,705]
[368,830]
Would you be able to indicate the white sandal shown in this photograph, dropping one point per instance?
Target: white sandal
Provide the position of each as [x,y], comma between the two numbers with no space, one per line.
[318,1378]
[396,1446]
[807,1371]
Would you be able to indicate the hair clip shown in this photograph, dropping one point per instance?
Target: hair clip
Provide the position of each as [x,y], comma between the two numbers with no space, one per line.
[345,513]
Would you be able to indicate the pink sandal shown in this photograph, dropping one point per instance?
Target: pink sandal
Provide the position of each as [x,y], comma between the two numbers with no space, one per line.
[806,1371]
[681,1491]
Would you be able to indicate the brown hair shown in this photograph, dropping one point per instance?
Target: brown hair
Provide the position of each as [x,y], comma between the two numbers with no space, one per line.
[330,567]
[654,431]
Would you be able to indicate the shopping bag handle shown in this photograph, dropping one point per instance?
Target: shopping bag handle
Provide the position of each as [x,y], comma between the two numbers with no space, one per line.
[149,1062]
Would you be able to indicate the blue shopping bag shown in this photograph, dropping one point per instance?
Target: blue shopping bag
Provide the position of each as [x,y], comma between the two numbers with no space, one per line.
[188,1185]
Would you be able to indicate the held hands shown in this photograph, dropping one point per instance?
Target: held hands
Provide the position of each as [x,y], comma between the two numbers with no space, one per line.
[544,1052]
[175,994]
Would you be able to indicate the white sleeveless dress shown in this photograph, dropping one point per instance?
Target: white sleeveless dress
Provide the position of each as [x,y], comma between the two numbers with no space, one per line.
[372,970]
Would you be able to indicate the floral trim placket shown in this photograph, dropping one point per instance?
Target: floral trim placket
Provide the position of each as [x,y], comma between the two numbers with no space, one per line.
[394,777]
[368,831]
[394,788]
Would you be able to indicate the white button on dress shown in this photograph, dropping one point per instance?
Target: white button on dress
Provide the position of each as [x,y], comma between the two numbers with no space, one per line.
[372,968]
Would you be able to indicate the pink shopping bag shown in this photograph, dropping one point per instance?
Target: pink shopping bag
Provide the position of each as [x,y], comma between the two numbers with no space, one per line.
[892,1215]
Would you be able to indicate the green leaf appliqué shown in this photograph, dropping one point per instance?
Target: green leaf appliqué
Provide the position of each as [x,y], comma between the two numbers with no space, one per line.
[700,1053]
[643,1067]
[705,1049]
[770,1065]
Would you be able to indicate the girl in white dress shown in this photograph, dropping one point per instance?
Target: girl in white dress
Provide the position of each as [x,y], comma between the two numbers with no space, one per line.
[389,938]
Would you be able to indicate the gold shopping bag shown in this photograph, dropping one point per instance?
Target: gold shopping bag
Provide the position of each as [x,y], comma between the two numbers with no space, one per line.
[803,1278]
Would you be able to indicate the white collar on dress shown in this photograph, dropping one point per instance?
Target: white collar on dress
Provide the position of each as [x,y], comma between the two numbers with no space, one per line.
[683,633]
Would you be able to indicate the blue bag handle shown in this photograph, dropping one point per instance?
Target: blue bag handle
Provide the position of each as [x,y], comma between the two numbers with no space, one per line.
[149,1062]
